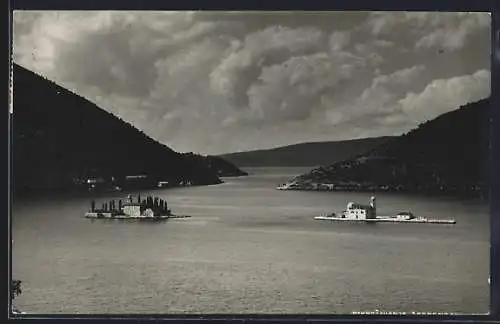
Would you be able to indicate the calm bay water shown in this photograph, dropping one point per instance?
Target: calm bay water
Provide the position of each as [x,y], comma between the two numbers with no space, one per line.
[249,248]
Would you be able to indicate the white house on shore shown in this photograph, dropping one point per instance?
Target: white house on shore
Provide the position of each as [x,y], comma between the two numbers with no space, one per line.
[359,211]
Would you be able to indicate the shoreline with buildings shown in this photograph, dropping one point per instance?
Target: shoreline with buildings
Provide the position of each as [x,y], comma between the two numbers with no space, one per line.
[362,187]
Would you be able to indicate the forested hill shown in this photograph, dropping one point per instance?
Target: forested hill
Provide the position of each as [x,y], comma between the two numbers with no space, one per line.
[305,154]
[60,139]
[221,166]
[447,155]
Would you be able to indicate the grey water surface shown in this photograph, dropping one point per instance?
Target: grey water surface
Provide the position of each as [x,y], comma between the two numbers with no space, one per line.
[249,248]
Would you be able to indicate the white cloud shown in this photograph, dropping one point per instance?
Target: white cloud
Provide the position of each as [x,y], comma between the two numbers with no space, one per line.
[399,80]
[383,22]
[293,90]
[445,30]
[339,40]
[383,43]
[444,95]
[206,82]
[379,98]
[240,67]
[453,34]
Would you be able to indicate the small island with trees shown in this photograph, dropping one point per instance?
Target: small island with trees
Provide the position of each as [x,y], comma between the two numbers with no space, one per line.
[148,208]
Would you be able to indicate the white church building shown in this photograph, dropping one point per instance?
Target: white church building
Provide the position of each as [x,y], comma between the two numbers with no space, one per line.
[359,211]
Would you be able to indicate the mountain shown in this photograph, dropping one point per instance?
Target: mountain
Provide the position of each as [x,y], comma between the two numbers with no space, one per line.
[305,154]
[59,140]
[448,155]
[220,166]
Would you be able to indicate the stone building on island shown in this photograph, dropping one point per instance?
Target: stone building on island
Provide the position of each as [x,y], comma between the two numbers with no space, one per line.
[359,211]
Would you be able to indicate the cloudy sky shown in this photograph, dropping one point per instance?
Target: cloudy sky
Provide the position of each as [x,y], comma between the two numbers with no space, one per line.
[217,82]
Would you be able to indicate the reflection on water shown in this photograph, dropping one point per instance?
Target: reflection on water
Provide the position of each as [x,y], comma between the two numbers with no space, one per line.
[249,248]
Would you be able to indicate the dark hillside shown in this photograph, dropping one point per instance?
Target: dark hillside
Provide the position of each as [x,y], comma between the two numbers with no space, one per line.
[447,155]
[220,166]
[60,139]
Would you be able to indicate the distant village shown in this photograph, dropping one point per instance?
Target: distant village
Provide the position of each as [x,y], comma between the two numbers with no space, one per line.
[368,187]
[129,182]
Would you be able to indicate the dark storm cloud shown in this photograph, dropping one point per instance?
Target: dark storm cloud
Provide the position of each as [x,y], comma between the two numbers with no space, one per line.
[218,82]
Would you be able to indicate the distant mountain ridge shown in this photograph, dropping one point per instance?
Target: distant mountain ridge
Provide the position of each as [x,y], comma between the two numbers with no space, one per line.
[448,155]
[222,167]
[60,139]
[305,154]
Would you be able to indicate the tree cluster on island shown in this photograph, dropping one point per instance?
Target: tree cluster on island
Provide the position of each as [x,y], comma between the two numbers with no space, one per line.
[115,207]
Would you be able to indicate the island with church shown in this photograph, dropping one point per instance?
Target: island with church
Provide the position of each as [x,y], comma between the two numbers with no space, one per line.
[148,208]
[368,213]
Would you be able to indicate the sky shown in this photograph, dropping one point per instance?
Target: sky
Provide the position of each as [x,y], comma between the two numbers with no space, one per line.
[220,82]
